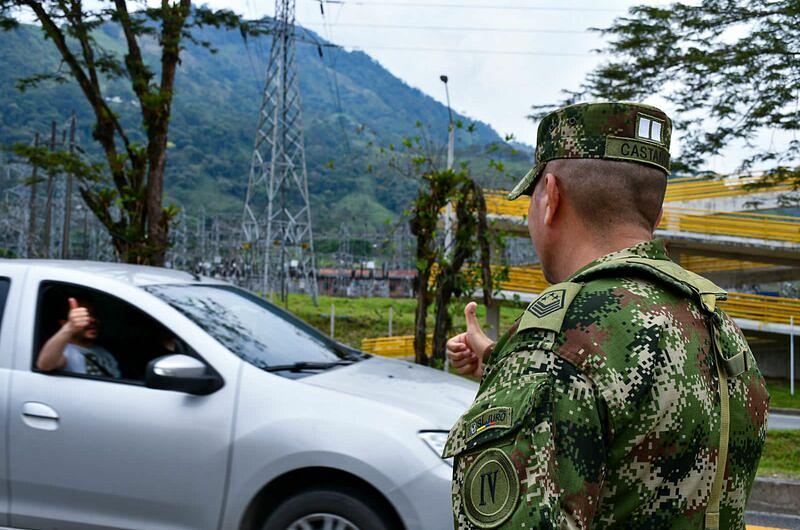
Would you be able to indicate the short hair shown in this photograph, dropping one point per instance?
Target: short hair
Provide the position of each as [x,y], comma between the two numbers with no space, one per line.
[608,193]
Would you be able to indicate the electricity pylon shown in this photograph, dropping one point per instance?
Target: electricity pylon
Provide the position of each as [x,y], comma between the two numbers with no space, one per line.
[277,216]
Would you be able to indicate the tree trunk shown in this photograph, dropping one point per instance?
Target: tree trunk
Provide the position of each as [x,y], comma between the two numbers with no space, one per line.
[443,324]
[420,318]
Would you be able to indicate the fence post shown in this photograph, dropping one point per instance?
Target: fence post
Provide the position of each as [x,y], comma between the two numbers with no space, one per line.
[493,319]
[791,356]
[333,320]
[391,316]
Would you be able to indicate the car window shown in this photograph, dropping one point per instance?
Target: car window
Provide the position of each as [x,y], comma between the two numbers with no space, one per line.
[118,344]
[252,328]
[5,284]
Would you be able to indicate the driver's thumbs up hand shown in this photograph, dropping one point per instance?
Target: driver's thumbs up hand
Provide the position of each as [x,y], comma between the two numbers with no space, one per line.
[466,350]
[78,318]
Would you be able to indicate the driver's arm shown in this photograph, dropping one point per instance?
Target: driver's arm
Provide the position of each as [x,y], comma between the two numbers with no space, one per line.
[52,355]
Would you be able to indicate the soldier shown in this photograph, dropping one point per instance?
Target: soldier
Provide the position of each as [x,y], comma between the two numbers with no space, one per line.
[623,397]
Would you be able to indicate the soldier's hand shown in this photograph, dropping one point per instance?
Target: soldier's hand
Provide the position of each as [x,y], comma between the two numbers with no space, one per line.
[78,318]
[466,350]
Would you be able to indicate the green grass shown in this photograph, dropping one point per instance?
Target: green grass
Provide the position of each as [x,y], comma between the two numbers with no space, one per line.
[781,456]
[779,394]
[359,318]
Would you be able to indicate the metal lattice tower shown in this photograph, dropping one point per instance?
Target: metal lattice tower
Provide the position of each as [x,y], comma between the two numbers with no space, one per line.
[277,216]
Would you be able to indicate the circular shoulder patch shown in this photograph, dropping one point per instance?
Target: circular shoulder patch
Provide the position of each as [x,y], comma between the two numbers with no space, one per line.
[491,489]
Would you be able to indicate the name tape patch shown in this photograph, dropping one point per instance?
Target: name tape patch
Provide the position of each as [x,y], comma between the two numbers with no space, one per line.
[636,150]
[493,418]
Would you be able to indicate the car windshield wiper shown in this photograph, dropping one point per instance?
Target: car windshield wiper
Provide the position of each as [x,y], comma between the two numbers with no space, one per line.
[304,365]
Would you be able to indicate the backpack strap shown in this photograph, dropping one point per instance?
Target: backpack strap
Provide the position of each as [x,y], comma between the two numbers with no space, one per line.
[712,516]
[695,286]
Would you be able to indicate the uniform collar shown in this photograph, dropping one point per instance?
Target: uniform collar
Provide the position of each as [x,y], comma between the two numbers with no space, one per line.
[653,249]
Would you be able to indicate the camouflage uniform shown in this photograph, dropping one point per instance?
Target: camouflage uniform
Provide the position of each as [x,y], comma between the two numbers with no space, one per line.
[621,398]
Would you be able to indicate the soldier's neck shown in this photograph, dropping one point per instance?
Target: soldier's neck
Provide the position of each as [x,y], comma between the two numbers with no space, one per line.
[591,248]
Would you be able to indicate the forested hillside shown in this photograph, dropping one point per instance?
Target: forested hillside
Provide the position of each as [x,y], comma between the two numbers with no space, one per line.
[217,101]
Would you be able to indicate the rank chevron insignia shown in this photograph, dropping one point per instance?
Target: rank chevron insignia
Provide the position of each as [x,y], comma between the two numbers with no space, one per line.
[548,303]
[548,311]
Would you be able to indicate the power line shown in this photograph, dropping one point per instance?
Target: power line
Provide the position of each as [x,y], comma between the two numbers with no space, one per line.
[460,50]
[473,6]
[338,98]
[453,28]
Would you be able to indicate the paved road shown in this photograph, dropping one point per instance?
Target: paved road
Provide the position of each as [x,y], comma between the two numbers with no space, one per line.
[761,520]
[783,421]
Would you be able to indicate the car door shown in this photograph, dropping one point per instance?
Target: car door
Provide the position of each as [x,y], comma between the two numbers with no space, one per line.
[91,453]
[11,276]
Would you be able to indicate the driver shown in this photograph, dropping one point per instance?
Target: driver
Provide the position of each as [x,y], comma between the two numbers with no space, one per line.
[73,348]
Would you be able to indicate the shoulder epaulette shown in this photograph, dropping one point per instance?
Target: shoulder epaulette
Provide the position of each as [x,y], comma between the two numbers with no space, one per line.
[550,307]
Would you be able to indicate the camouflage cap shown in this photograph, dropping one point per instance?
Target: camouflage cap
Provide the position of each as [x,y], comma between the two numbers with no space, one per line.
[625,131]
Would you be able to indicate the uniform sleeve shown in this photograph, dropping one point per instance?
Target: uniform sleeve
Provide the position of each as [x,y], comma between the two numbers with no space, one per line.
[576,422]
[545,467]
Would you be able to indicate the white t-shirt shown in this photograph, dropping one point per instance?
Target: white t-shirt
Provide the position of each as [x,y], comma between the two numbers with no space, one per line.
[94,360]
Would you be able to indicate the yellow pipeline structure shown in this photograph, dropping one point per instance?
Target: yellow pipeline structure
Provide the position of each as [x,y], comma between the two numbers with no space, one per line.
[741,224]
[708,264]
[691,189]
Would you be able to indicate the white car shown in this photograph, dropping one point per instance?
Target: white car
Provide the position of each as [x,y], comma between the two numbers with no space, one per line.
[229,414]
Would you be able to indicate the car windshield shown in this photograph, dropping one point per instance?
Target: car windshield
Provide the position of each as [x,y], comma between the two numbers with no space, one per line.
[252,328]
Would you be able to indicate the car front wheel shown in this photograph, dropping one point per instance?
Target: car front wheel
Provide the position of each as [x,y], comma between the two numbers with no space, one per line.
[326,509]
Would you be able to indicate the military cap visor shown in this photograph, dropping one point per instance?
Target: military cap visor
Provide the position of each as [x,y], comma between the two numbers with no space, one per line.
[630,132]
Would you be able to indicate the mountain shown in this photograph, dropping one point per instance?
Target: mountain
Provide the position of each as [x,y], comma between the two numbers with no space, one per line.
[215,110]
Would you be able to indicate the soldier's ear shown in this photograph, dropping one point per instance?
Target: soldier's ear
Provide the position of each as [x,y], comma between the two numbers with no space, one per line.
[552,197]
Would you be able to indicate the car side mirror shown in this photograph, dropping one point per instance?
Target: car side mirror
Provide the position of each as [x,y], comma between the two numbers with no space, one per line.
[182,374]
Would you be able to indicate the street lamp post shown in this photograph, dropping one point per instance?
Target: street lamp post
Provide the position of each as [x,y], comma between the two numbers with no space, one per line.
[448,211]
[451,137]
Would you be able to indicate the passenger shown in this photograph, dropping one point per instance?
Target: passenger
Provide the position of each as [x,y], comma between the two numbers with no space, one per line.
[73,348]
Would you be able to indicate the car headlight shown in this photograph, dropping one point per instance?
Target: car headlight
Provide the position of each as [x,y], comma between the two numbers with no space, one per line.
[436,440]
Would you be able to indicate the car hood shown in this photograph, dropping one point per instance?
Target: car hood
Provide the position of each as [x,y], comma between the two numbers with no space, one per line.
[438,397]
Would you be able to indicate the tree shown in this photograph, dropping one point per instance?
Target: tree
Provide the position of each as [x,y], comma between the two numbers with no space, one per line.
[128,198]
[444,267]
[730,67]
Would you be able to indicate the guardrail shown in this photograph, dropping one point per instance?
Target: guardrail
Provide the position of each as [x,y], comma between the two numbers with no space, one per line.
[398,346]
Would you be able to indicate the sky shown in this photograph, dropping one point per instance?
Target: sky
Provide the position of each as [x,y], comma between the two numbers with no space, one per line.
[502,57]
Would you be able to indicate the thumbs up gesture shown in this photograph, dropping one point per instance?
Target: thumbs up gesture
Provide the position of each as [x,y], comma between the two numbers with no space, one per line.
[78,318]
[466,350]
